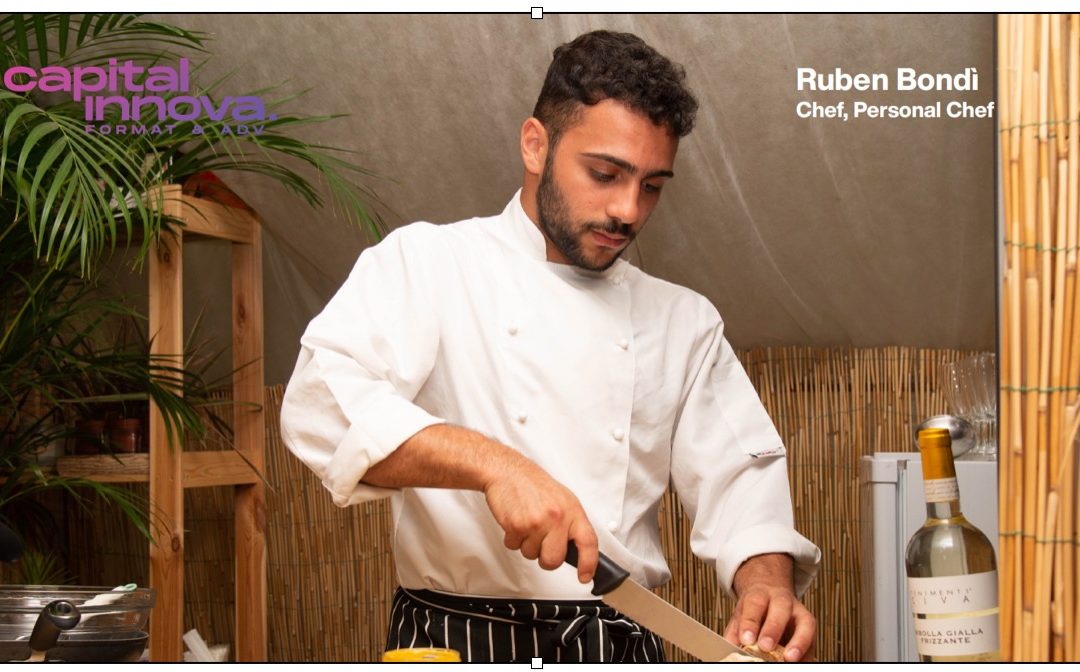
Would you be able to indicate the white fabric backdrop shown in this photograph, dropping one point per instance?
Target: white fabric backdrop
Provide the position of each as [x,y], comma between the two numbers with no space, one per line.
[801,231]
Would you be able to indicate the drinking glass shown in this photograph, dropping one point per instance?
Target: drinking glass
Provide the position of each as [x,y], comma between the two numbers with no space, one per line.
[970,389]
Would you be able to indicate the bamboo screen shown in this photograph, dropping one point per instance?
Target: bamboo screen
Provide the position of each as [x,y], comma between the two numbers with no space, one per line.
[1039,90]
[330,570]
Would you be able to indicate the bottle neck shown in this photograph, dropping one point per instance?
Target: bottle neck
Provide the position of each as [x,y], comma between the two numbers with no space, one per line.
[939,479]
[949,509]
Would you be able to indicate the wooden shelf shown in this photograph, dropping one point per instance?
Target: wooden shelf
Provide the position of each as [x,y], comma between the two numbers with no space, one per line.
[201,469]
[170,471]
[207,219]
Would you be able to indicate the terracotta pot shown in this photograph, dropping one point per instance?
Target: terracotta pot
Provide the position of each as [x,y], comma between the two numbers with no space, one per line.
[125,435]
[89,437]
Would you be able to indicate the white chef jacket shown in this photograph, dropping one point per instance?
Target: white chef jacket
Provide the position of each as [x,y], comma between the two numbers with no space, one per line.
[613,382]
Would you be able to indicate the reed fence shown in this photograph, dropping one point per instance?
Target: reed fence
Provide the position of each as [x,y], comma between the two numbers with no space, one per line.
[1039,90]
[330,570]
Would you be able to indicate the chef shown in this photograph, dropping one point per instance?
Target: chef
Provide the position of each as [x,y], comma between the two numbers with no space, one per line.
[512,384]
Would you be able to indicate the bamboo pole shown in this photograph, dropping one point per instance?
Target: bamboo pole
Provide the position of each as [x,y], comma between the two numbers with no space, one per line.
[1014,454]
[1040,598]
[1070,358]
[1071,587]
[1030,324]
[1057,400]
[1057,63]
[1011,452]
[1006,82]
[1044,579]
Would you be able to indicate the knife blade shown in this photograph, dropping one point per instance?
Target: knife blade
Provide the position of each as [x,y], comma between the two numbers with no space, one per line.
[613,585]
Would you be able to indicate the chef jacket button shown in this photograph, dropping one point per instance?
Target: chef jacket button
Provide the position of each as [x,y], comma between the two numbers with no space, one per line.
[617,434]
[624,344]
[522,417]
[512,330]
[612,525]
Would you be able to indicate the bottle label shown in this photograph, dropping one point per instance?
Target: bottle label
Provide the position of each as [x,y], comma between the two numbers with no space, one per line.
[955,615]
[941,490]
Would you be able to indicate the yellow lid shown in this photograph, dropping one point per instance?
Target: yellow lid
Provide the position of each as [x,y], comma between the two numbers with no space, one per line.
[421,656]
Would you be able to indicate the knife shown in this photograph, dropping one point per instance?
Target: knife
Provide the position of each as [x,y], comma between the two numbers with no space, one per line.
[612,584]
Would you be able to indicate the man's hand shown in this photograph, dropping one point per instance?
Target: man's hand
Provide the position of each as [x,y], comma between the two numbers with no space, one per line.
[539,516]
[767,611]
[537,513]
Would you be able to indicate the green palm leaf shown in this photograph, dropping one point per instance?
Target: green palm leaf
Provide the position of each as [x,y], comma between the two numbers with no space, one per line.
[68,195]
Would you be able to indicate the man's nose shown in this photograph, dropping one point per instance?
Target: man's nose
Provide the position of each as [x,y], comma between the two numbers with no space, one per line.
[624,205]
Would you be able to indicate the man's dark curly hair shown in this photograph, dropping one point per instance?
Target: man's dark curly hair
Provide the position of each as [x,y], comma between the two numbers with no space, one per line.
[604,64]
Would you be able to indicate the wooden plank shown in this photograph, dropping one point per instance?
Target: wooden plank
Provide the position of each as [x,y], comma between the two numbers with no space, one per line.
[249,431]
[200,469]
[207,218]
[166,492]
[203,218]
[133,468]
[209,468]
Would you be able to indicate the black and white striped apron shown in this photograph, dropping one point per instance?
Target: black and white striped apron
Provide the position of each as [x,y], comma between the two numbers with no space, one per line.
[510,631]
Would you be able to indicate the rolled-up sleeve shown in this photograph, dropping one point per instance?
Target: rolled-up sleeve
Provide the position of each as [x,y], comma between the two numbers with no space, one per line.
[729,468]
[363,359]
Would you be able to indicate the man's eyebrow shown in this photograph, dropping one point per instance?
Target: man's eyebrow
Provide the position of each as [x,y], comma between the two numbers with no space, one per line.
[626,165]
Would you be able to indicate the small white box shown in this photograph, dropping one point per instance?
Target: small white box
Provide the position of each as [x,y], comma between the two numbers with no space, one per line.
[537,663]
[537,13]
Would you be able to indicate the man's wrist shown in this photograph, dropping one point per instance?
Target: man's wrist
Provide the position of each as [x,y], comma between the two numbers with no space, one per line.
[500,460]
[773,570]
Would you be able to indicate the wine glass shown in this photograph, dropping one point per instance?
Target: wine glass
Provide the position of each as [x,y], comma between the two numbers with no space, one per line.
[984,368]
[970,389]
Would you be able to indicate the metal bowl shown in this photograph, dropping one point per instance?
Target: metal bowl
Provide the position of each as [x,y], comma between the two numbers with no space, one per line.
[112,627]
[960,431]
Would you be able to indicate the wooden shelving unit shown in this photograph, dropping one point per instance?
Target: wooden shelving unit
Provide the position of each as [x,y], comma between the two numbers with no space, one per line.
[168,469]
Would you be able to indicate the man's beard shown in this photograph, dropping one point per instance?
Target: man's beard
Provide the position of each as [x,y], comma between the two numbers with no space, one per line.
[555,221]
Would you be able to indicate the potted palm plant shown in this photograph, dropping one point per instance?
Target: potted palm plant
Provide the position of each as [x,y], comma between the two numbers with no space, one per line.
[73,189]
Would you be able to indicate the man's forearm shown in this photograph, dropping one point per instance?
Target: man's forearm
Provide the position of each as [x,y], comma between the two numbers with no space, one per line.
[444,456]
[536,513]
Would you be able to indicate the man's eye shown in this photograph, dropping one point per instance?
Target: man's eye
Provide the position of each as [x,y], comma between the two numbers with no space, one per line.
[651,188]
[602,177]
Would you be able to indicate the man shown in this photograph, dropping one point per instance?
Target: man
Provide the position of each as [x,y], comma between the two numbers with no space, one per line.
[513,384]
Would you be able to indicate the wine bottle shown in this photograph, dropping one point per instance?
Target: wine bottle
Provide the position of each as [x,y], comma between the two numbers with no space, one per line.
[952,573]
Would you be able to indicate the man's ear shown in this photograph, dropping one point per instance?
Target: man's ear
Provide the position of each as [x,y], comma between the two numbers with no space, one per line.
[534,145]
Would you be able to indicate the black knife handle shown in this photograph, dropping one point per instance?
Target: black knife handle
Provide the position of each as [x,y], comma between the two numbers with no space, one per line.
[608,575]
[55,617]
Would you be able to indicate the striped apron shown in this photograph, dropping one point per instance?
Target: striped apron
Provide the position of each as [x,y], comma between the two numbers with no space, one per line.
[509,631]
